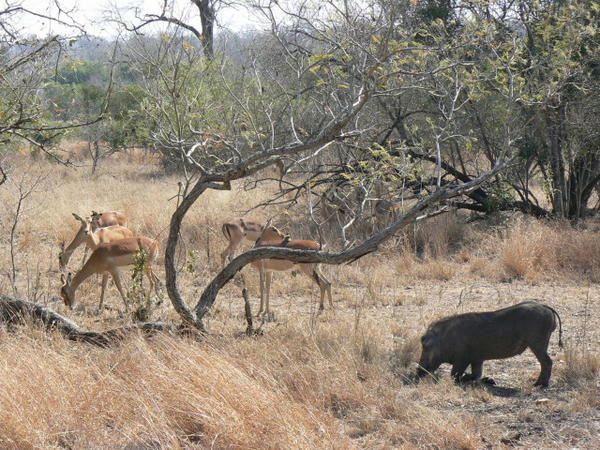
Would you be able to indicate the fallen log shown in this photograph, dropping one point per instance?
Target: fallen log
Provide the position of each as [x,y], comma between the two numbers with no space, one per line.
[18,312]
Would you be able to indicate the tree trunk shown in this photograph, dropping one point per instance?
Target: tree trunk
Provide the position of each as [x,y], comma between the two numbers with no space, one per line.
[179,304]
[207,18]
[584,175]
[555,118]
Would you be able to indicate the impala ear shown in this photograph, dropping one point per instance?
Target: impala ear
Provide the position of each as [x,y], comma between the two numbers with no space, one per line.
[62,246]
[77,217]
[265,228]
[69,278]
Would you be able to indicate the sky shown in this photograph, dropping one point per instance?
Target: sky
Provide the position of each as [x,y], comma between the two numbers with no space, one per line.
[91,14]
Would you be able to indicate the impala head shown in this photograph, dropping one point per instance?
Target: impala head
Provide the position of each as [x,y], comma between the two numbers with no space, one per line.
[85,224]
[271,233]
[66,292]
[95,219]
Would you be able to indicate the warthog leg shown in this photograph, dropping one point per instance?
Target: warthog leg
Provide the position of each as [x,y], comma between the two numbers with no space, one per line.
[458,369]
[541,353]
[476,371]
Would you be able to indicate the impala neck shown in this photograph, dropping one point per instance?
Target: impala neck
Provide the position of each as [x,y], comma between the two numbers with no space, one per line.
[93,240]
[76,242]
[86,271]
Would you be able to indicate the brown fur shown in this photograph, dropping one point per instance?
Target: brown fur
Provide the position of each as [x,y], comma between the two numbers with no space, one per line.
[272,237]
[107,219]
[107,258]
[235,231]
[91,238]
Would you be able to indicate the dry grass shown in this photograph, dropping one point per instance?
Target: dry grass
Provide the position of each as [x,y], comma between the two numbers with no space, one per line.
[535,250]
[334,381]
[167,391]
[582,366]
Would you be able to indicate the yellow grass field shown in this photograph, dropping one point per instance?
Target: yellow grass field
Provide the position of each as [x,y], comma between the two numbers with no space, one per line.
[338,380]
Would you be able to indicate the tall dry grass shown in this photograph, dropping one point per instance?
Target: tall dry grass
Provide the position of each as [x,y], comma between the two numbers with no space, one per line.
[535,250]
[327,388]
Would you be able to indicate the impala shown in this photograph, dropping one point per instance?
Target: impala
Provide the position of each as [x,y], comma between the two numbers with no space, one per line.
[107,219]
[91,238]
[272,237]
[108,257]
[235,231]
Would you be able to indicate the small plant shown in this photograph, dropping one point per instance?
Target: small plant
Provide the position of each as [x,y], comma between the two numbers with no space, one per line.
[192,261]
[142,301]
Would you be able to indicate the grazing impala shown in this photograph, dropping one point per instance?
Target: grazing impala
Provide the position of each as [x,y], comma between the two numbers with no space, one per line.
[108,257]
[107,219]
[235,231]
[271,236]
[91,238]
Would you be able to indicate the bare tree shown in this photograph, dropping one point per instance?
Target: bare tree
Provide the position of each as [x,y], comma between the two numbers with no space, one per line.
[206,11]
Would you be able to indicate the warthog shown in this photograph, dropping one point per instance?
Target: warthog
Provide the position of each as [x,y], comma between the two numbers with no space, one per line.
[473,338]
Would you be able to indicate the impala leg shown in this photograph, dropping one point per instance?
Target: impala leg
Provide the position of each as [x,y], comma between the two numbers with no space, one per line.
[322,289]
[149,275]
[314,273]
[326,284]
[104,283]
[116,276]
[268,278]
[225,254]
[155,279]
[229,252]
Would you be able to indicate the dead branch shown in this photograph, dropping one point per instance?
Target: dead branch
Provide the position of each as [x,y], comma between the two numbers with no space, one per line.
[17,312]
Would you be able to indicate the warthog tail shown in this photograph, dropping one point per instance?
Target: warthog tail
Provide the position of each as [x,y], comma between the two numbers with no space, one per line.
[560,341]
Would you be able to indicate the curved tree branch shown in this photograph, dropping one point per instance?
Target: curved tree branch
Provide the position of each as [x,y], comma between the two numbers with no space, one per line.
[348,256]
